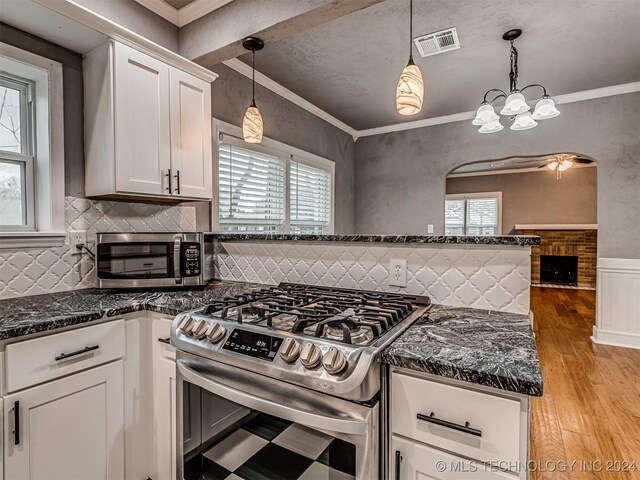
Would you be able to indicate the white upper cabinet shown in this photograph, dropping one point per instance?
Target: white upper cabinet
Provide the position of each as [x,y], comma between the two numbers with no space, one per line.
[147,127]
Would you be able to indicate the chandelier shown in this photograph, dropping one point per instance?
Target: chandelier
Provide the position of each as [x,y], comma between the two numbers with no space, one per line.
[515,106]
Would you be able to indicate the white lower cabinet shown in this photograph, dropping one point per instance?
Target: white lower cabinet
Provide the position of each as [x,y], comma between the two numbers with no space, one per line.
[421,462]
[164,393]
[70,428]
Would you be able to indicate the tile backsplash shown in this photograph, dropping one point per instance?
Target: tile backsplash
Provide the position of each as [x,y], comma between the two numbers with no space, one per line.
[490,278]
[33,271]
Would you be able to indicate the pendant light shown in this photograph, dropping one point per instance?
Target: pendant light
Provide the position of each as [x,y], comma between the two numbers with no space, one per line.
[252,125]
[410,90]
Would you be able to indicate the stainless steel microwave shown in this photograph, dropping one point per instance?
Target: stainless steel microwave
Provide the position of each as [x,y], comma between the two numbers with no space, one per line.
[136,260]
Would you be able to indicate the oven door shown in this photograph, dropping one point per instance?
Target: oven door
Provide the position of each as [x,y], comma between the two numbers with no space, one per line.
[233,422]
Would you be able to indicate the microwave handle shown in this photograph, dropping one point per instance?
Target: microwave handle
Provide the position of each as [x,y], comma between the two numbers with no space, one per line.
[311,419]
[177,243]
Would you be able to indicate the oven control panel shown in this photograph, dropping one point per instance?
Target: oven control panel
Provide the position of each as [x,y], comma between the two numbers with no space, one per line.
[253,344]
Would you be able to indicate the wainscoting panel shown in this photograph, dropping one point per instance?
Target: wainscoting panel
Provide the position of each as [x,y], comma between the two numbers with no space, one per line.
[618,302]
[490,278]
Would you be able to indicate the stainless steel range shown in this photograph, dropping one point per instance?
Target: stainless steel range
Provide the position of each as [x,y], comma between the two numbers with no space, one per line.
[300,355]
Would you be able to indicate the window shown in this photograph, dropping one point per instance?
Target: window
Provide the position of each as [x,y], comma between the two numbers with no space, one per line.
[16,158]
[31,150]
[272,188]
[473,214]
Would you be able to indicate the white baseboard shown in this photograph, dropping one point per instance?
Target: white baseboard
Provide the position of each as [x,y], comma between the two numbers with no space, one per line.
[618,302]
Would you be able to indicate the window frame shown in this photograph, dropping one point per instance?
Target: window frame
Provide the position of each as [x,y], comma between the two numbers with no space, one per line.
[270,147]
[26,156]
[47,149]
[471,196]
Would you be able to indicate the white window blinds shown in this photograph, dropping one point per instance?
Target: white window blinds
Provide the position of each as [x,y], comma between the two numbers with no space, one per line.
[251,190]
[473,214]
[310,199]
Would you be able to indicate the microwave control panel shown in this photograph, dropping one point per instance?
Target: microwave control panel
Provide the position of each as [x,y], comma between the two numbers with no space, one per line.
[190,264]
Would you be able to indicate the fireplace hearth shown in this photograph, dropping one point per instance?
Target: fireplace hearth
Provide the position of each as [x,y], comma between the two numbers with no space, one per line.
[559,269]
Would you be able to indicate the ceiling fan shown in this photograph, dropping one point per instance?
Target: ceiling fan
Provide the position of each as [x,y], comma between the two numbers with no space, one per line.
[563,161]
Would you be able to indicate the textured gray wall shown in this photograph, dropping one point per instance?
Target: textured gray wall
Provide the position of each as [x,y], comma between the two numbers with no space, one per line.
[401,176]
[290,124]
[72,105]
[138,19]
[537,197]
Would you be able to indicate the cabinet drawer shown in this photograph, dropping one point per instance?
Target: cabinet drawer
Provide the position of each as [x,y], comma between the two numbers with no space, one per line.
[45,358]
[495,419]
[420,461]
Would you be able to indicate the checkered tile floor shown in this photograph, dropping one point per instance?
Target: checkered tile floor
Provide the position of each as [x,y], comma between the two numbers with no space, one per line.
[268,448]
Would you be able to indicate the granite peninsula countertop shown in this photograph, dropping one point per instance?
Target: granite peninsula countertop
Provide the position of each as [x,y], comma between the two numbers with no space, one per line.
[494,349]
[39,313]
[518,240]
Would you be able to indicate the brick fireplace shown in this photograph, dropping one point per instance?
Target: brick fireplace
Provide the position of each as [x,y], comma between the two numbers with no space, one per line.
[581,244]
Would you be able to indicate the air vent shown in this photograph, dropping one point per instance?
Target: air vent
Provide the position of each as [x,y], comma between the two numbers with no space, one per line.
[438,42]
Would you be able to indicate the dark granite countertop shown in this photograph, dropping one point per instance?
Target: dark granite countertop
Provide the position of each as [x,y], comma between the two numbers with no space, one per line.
[39,313]
[518,240]
[495,349]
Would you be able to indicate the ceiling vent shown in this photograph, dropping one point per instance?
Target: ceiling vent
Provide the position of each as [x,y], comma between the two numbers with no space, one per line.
[438,42]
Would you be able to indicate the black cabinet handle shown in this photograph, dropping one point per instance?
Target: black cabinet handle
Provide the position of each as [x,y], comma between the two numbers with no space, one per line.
[64,356]
[16,423]
[165,340]
[454,426]
[168,175]
[178,182]
[398,460]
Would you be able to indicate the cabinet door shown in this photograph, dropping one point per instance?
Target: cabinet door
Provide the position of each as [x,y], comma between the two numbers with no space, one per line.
[190,135]
[69,429]
[142,126]
[418,461]
[164,399]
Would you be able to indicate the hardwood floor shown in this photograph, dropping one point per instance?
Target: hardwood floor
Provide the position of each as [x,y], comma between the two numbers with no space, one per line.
[590,409]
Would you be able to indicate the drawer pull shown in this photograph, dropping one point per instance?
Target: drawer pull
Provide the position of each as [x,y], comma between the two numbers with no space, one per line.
[64,356]
[165,340]
[16,423]
[454,426]
[398,461]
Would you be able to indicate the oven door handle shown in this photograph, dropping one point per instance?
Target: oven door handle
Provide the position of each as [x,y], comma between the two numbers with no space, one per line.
[309,419]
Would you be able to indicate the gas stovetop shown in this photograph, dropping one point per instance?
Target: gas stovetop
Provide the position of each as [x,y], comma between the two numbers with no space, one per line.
[320,337]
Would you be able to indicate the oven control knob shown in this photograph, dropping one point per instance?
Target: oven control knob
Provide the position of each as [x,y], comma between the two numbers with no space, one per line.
[290,350]
[215,333]
[187,324]
[200,329]
[334,361]
[310,356]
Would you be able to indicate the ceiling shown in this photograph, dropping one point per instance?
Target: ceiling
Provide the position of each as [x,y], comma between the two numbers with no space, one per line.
[178,4]
[509,164]
[349,67]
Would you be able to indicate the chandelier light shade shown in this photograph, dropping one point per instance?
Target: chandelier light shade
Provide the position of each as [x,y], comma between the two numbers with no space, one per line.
[485,114]
[523,121]
[545,108]
[410,89]
[515,104]
[252,124]
[491,127]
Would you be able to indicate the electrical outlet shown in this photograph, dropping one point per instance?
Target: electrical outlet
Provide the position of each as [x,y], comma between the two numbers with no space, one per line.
[398,272]
[76,237]
[429,228]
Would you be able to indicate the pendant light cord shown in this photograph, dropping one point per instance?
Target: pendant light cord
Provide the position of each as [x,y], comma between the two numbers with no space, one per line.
[410,31]
[253,78]
[513,73]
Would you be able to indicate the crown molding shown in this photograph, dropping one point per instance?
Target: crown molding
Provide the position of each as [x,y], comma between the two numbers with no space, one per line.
[458,117]
[187,14]
[246,70]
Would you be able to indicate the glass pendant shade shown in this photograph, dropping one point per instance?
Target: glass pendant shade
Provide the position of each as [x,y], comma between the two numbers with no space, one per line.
[252,125]
[552,165]
[491,127]
[410,90]
[514,105]
[545,108]
[485,114]
[564,165]
[523,121]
